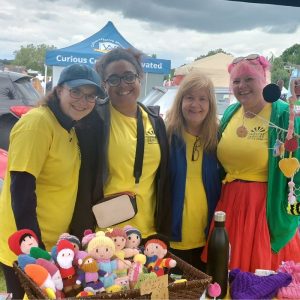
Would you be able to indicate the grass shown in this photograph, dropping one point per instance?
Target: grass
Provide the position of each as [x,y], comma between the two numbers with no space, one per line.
[2,282]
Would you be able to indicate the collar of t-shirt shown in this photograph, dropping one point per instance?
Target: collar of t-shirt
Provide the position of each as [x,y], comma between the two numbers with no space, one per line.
[65,121]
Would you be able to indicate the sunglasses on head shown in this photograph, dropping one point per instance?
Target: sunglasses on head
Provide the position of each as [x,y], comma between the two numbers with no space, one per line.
[249,57]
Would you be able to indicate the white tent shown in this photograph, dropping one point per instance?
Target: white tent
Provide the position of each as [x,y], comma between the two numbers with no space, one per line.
[214,66]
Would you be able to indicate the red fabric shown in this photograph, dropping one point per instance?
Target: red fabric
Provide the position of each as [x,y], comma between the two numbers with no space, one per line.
[3,163]
[245,206]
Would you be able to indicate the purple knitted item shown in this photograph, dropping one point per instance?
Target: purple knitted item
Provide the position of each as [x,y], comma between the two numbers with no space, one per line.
[245,285]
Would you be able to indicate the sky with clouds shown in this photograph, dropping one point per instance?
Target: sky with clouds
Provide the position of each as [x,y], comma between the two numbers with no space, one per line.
[179,30]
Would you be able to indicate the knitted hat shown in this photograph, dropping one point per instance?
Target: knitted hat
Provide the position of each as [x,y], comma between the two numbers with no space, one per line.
[245,285]
[129,230]
[88,235]
[64,244]
[71,238]
[156,241]
[49,266]
[37,273]
[14,241]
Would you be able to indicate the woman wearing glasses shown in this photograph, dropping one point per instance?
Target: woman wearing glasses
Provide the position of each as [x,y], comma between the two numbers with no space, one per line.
[255,192]
[192,132]
[129,126]
[40,186]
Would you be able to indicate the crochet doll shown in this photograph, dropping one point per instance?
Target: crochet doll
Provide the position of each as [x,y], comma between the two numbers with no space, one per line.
[55,275]
[22,241]
[89,277]
[136,269]
[64,259]
[119,237]
[102,248]
[42,278]
[156,250]
[134,238]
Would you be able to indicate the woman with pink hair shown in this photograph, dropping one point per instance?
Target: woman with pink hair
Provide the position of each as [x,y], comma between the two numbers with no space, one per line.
[255,192]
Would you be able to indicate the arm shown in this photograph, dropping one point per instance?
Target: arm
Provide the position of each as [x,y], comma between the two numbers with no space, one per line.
[23,201]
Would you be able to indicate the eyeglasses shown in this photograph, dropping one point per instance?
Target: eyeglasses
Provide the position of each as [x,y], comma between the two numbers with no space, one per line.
[115,80]
[78,94]
[249,57]
[195,154]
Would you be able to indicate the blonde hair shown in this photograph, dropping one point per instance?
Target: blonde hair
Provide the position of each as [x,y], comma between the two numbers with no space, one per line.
[175,121]
[100,240]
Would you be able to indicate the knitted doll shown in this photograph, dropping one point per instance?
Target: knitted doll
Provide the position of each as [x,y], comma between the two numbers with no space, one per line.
[25,241]
[74,240]
[134,238]
[89,278]
[87,236]
[119,237]
[42,278]
[64,259]
[22,241]
[55,275]
[155,250]
[136,269]
[102,248]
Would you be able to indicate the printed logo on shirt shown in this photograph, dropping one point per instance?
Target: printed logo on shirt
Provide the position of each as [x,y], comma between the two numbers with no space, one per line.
[258,133]
[151,137]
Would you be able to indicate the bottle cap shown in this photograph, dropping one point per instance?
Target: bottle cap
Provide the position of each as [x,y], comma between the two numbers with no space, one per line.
[220,216]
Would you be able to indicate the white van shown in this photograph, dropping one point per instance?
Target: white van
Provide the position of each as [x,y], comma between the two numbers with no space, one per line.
[164,96]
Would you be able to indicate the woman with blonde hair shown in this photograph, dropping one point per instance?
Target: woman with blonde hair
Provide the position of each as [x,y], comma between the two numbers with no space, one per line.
[192,127]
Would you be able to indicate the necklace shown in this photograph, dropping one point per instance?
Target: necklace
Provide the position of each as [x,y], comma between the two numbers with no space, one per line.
[242,131]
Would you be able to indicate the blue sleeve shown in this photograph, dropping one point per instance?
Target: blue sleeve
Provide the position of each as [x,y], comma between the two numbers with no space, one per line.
[23,202]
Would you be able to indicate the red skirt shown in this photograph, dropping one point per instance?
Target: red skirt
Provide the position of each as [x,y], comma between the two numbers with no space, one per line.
[245,206]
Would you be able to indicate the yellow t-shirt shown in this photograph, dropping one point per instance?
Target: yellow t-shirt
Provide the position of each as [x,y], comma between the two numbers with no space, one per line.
[194,218]
[246,158]
[41,147]
[121,156]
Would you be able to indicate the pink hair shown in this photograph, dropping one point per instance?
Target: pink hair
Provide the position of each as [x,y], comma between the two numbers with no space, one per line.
[256,68]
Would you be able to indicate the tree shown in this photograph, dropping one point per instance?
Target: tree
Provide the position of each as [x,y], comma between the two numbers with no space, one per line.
[32,57]
[279,71]
[291,55]
[212,52]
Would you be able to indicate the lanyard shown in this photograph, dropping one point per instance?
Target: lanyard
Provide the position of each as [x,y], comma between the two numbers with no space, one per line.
[140,145]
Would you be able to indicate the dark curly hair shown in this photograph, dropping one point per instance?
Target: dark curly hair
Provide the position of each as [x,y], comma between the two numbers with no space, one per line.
[131,55]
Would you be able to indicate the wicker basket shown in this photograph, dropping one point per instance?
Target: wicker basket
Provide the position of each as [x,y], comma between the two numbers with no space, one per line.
[193,288]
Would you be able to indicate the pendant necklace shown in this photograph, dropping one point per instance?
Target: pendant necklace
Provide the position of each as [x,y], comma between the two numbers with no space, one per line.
[242,131]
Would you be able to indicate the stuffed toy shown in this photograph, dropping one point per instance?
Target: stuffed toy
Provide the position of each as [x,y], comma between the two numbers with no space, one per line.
[42,278]
[24,260]
[22,241]
[87,236]
[136,269]
[123,282]
[55,275]
[72,239]
[102,248]
[38,252]
[89,277]
[134,238]
[64,259]
[119,238]
[156,250]
[25,242]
